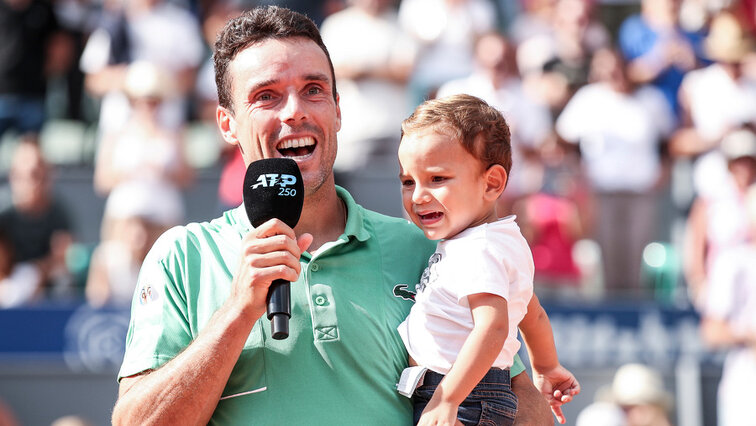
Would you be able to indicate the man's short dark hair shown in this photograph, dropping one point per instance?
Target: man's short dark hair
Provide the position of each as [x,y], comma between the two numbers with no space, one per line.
[254,26]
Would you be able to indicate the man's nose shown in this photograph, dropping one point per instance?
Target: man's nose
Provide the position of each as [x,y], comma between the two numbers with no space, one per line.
[293,108]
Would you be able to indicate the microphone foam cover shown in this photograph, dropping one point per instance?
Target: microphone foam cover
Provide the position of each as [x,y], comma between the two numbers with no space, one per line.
[273,188]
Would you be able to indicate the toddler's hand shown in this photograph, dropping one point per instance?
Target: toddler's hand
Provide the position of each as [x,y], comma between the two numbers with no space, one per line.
[558,385]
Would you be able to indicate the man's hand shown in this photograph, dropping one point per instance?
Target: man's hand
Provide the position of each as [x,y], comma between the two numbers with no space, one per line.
[269,252]
[558,386]
[532,408]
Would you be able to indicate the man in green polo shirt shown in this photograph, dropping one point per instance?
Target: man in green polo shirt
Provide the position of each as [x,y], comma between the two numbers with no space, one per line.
[199,348]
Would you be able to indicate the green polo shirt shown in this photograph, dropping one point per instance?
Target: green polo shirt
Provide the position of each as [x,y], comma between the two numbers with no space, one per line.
[343,355]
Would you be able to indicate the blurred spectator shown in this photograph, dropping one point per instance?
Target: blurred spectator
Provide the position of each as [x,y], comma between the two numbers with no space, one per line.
[145,148]
[639,390]
[619,129]
[19,282]
[718,219]
[554,218]
[657,50]
[36,222]
[136,213]
[205,91]
[715,100]
[446,31]
[577,36]
[562,51]
[495,80]
[317,10]
[636,397]
[602,413]
[156,31]
[206,102]
[729,321]
[71,420]
[373,58]
[33,47]
[534,20]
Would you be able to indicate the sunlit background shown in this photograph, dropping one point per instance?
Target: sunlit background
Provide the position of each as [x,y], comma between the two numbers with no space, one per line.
[632,130]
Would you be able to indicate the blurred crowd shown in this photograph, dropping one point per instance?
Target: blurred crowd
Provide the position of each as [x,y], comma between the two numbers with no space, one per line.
[632,129]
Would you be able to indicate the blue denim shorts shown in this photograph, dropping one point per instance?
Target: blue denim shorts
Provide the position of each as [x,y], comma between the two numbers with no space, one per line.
[491,403]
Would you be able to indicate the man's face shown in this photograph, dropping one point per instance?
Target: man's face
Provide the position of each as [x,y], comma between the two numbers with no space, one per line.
[29,179]
[282,94]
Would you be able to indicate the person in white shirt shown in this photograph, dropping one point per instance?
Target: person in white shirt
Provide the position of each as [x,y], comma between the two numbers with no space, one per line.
[619,129]
[728,321]
[455,156]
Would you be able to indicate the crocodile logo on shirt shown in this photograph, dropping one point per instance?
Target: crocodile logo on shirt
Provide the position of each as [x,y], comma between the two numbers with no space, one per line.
[400,290]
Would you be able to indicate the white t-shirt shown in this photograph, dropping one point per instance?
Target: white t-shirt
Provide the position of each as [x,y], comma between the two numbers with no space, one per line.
[618,134]
[490,258]
[731,296]
[717,102]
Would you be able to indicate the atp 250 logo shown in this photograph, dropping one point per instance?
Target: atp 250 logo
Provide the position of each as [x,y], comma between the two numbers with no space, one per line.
[283,181]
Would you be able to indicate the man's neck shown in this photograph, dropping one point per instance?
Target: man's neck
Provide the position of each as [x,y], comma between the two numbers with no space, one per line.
[323,216]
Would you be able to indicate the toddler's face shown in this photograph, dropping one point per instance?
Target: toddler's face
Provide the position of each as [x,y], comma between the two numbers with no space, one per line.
[443,185]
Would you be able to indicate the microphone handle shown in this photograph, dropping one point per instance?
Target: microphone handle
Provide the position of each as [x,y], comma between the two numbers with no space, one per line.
[279,308]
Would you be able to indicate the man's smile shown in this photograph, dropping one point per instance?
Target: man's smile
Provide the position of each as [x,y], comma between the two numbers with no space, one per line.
[299,147]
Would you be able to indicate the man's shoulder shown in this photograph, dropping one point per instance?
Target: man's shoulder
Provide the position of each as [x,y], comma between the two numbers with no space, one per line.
[392,224]
[193,236]
[397,235]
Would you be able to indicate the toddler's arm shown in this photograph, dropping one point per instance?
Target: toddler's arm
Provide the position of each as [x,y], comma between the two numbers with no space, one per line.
[474,360]
[557,384]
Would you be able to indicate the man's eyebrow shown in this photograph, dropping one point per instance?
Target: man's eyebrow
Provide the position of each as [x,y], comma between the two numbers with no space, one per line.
[323,78]
[318,77]
[260,84]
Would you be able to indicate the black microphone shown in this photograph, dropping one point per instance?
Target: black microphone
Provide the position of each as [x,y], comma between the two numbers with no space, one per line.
[273,188]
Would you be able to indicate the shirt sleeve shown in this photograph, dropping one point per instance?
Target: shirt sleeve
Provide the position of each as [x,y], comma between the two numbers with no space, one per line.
[484,272]
[159,328]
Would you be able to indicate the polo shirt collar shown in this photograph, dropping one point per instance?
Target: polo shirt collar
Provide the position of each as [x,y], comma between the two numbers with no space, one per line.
[355,226]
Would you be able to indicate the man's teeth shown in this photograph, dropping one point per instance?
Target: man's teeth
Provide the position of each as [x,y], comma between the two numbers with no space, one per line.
[296,143]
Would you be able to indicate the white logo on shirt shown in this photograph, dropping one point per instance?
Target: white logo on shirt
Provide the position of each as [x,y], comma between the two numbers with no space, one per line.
[147,294]
[429,274]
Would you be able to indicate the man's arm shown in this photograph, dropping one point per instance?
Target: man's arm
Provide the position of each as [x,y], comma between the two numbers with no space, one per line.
[187,389]
[532,408]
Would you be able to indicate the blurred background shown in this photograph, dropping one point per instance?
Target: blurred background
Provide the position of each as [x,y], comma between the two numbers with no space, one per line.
[634,163]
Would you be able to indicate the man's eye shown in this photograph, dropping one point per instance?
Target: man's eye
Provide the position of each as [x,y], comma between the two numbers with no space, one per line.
[314,90]
[264,97]
[407,182]
[438,179]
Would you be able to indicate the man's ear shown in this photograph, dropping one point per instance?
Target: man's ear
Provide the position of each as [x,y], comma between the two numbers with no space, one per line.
[496,180]
[226,124]
[338,113]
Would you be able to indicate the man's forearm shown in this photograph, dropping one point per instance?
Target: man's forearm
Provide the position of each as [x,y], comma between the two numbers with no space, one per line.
[186,390]
[532,408]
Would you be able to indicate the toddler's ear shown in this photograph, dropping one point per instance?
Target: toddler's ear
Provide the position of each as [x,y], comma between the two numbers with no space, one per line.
[496,181]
